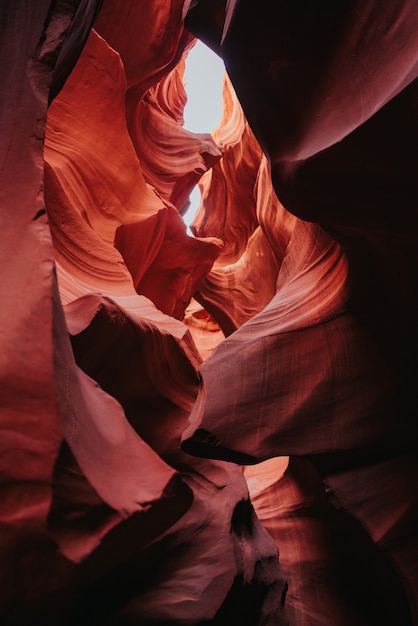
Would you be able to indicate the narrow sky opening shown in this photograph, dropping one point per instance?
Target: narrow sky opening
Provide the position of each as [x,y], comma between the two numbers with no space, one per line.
[203,78]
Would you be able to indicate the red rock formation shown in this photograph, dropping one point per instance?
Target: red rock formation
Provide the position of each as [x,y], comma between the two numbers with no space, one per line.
[332,358]
[172,275]
[81,141]
[31,427]
[228,209]
[172,158]
[205,331]
[243,278]
[149,38]
[104,518]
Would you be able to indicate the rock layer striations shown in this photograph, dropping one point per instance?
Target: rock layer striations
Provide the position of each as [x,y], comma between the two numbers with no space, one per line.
[329,92]
[179,411]
[104,518]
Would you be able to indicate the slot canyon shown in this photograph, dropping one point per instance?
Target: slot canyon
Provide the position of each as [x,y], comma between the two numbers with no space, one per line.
[215,428]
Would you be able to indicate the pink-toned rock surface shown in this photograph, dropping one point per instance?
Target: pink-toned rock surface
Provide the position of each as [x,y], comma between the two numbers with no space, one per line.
[171,277]
[330,93]
[172,158]
[243,278]
[205,331]
[135,445]
[105,520]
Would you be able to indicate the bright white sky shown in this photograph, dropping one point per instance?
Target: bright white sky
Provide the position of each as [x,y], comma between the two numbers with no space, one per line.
[203,79]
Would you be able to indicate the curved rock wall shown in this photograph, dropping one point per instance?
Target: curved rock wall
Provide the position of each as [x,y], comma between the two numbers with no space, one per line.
[105,520]
[329,362]
[178,411]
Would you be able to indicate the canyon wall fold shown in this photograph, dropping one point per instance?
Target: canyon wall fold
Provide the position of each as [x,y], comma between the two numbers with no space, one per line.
[216,428]
[330,94]
[105,520]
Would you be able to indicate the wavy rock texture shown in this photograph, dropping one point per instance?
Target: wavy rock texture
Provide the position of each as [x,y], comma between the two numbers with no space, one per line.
[135,446]
[205,331]
[172,158]
[331,359]
[243,278]
[105,520]
[31,425]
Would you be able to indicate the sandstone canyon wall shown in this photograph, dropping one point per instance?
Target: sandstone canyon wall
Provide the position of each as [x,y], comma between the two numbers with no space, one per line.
[218,428]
